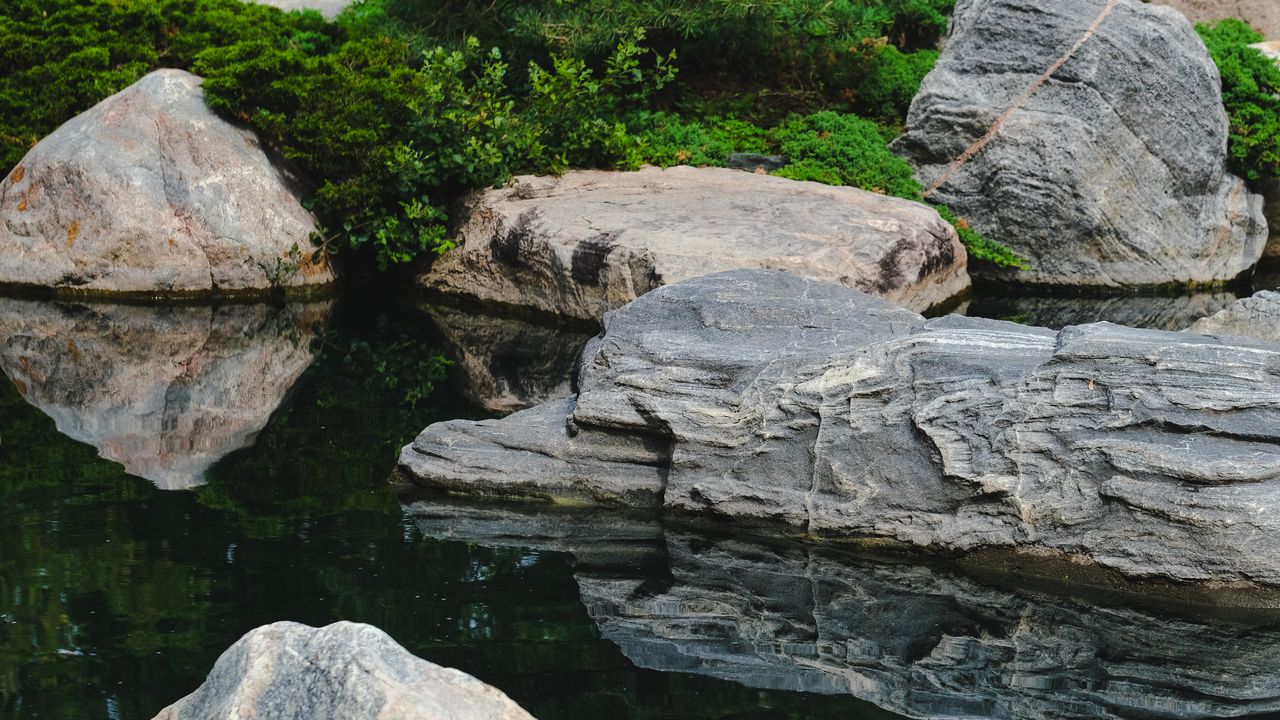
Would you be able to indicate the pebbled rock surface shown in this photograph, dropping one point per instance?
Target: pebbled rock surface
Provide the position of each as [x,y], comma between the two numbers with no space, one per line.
[164,391]
[1263,15]
[590,241]
[150,193]
[508,363]
[1256,317]
[289,671]
[1113,172]
[766,398]
[922,641]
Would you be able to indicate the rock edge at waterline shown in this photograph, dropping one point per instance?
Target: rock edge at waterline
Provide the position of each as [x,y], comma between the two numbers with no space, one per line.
[763,398]
[150,194]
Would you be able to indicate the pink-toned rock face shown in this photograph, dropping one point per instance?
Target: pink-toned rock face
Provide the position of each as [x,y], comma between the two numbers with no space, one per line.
[1264,15]
[164,391]
[150,193]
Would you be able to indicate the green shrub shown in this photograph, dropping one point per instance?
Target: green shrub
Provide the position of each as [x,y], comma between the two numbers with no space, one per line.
[840,149]
[669,140]
[59,57]
[1251,96]
[891,82]
[395,139]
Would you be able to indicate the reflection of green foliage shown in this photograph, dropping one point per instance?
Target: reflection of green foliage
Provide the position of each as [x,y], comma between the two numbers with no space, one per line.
[1251,94]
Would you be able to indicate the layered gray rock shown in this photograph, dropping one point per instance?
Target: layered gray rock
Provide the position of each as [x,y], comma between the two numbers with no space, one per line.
[771,399]
[289,671]
[164,391]
[1112,171]
[919,640]
[149,193]
[506,362]
[590,241]
[1263,15]
[1257,316]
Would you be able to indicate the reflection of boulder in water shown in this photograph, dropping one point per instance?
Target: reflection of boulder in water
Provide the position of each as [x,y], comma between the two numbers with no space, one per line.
[1155,312]
[912,639]
[166,392]
[509,363]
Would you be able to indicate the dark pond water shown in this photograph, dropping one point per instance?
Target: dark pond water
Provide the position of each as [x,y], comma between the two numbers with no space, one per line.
[172,478]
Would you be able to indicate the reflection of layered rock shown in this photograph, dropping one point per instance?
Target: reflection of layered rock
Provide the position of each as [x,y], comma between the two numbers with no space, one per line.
[912,639]
[509,363]
[1141,311]
[166,392]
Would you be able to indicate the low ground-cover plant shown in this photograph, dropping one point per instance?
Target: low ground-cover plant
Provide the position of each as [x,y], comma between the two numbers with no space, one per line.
[827,147]
[1251,95]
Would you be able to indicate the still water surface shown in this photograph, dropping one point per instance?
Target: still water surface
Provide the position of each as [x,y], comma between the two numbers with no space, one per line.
[172,478]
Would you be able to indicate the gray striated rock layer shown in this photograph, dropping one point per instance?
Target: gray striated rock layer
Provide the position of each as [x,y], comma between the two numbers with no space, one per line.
[763,397]
[1112,172]
[149,193]
[288,671]
[164,391]
[590,241]
[1257,316]
[917,640]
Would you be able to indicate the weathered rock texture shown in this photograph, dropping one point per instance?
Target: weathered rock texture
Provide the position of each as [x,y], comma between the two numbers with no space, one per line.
[920,641]
[1112,172]
[590,241]
[763,397]
[166,392]
[508,363]
[288,671]
[150,193]
[1252,317]
[1263,15]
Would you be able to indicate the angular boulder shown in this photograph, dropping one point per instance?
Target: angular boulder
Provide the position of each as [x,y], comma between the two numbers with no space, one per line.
[590,241]
[149,193]
[289,671]
[1089,136]
[1255,317]
[1263,15]
[775,400]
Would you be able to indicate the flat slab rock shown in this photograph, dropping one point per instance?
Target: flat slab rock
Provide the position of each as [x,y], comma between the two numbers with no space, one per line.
[289,671]
[770,399]
[1111,172]
[150,193]
[590,241]
[327,8]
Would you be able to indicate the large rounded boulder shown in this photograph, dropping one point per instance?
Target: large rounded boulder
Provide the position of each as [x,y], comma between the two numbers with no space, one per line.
[1090,137]
[150,193]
